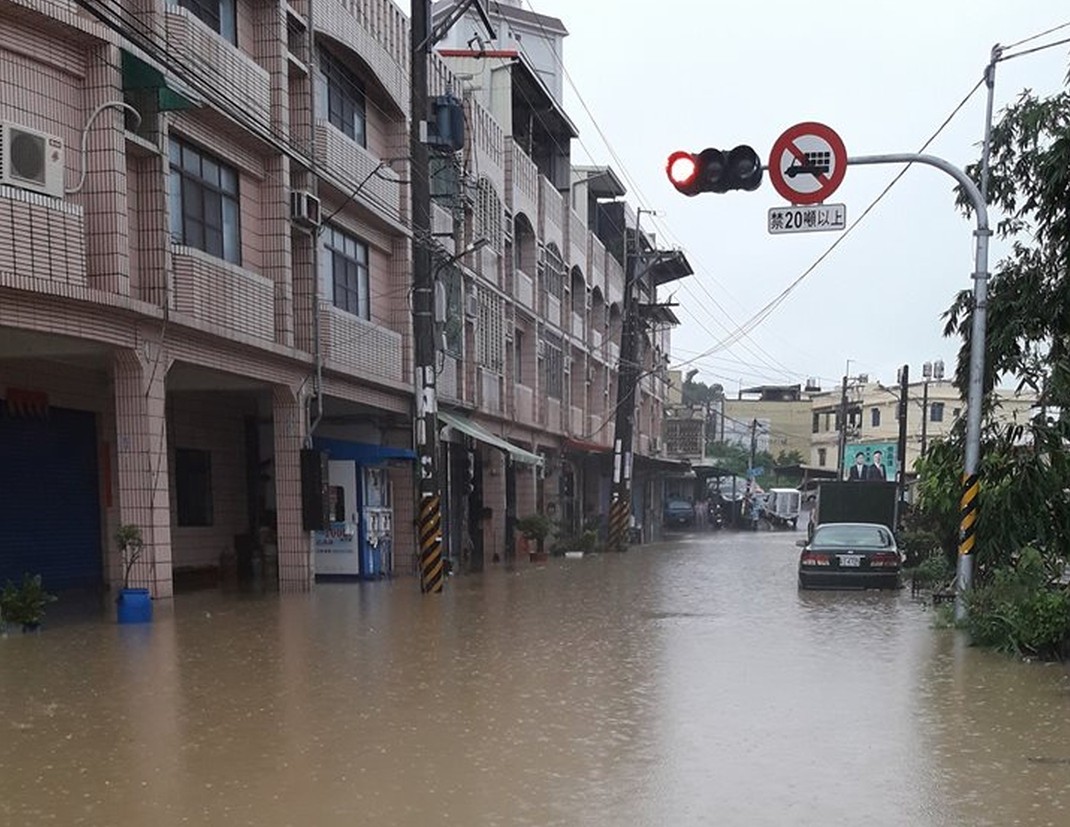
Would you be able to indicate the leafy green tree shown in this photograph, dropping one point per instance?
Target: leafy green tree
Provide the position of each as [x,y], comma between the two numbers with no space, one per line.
[1025,468]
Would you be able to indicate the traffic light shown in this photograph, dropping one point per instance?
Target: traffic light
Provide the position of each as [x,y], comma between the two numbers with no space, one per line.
[715,171]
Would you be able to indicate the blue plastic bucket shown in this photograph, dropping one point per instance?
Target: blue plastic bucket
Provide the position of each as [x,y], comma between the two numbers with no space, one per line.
[135,606]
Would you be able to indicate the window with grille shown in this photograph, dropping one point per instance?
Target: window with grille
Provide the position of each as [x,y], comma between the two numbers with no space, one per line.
[875,417]
[553,367]
[488,214]
[936,412]
[218,15]
[553,273]
[346,265]
[341,97]
[490,331]
[204,202]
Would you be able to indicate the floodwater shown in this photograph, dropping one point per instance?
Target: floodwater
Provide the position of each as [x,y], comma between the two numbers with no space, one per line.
[686,683]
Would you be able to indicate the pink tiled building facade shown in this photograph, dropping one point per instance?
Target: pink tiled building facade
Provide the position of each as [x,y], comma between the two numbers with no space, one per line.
[205,275]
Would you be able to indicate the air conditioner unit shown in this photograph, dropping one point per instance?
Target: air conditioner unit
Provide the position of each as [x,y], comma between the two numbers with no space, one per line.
[304,209]
[31,160]
[540,348]
[471,303]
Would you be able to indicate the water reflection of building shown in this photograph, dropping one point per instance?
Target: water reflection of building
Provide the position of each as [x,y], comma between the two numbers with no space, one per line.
[214,285]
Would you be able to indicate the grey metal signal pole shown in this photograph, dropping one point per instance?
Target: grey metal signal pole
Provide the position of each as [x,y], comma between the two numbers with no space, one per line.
[968,511]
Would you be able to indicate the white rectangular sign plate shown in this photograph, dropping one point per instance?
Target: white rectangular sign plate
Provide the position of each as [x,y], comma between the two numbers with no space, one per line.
[807,219]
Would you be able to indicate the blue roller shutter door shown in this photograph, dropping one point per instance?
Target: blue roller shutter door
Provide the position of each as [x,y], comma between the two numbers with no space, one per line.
[49,499]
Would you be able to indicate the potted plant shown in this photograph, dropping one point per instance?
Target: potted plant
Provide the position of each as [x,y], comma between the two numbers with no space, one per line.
[535,527]
[25,604]
[134,605]
[578,544]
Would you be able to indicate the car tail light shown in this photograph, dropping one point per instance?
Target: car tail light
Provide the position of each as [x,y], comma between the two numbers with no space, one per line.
[884,559]
[809,558]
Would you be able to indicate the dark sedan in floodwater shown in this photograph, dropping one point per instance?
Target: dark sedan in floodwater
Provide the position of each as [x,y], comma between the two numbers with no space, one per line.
[679,512]
[849,556]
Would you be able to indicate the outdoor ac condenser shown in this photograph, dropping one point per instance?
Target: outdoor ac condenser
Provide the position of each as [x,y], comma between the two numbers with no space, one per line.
[31,160]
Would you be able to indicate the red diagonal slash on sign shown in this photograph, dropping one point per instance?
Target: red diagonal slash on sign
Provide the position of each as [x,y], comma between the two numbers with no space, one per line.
[826,182]
[800,156]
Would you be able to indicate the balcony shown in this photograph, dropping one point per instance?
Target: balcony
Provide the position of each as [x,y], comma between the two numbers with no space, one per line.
[218,293]
[522,184]
[553,414]
[552,208]
[43,244]
[352,163]
[577,241]
[576,421]
[596,263]
[577,325]
[598,431]
[553,310]
[525,404]
[378,31]
[524,289]
[490,391]
[359,346]
[448,384]
[614,281]
[208,55]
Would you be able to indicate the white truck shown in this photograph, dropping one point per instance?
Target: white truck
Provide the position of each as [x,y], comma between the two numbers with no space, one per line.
[782,506]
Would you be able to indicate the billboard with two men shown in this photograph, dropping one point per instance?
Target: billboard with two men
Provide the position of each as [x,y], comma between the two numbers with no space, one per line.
[872,462]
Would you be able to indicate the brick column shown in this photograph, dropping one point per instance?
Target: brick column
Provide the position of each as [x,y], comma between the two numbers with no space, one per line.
[104,194]
[295,544]
[141,449]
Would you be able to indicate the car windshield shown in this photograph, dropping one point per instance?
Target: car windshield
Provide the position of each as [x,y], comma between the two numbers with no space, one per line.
[853,536]
[679,505]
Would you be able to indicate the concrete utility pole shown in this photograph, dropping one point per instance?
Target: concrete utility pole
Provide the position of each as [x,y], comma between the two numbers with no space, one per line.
[842,439]
[429,484]
[429,533]
[620,506]
[753,452]
[901,450]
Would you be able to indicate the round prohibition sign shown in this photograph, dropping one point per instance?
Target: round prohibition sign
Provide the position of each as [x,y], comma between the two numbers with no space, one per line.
[807,163]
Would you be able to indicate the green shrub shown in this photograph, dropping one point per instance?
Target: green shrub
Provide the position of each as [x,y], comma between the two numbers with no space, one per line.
[1020,610]
[917,545]
[25,604]
[584,541]
[933,570]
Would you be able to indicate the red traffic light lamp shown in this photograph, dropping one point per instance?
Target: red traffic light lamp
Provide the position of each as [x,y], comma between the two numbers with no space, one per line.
[715,171]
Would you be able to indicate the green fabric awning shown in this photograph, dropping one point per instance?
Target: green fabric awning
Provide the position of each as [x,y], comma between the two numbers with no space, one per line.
[170,94]
[476,431]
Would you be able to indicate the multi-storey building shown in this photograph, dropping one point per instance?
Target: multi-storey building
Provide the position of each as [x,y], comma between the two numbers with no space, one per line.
[207,269]
[778,414]
[933,407]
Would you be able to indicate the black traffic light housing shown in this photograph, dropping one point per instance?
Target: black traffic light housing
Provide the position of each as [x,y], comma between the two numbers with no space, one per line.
[713,170]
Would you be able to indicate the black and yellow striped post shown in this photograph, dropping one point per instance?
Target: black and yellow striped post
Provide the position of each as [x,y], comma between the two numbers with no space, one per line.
[971,485]
[618,524]
[430,533]
[968,513]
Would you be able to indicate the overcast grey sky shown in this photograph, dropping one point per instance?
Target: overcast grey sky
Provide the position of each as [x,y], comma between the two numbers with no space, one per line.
[686,74]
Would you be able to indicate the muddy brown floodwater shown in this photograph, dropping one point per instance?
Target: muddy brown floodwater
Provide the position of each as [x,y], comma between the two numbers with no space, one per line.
[686,683]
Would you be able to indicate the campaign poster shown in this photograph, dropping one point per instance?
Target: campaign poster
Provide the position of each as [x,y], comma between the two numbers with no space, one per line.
[871,462]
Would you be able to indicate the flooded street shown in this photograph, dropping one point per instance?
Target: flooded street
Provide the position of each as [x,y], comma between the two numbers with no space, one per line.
[678,684]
